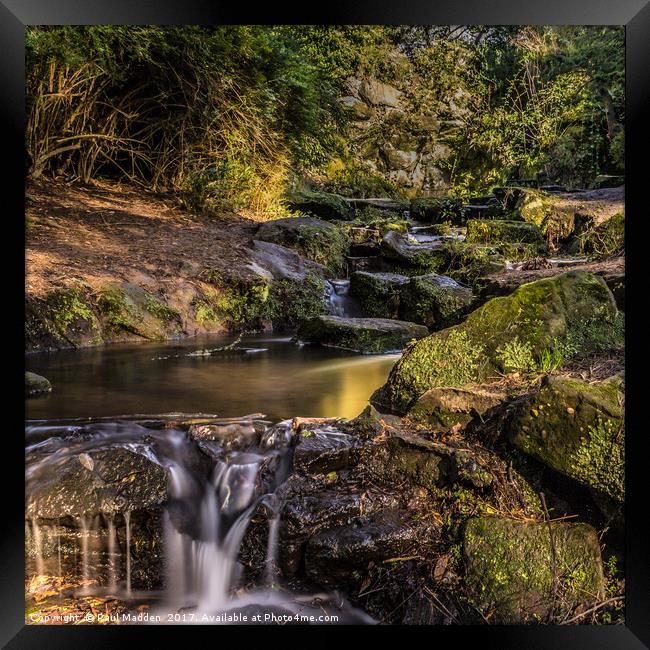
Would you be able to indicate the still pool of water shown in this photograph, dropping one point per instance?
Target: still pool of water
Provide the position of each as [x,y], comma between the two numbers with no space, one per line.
[275,377]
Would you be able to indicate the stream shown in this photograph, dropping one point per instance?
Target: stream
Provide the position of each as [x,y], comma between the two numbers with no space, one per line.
[272,375]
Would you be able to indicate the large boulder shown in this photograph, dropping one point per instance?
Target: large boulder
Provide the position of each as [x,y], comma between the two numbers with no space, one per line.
[506,334]
[36,384]
[577,429]
[314,239]
[523,572]
[433,300]
[322,205]
[378,293]
[367,335]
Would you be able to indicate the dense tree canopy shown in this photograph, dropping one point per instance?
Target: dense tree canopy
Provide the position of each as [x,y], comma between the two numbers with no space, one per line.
[232,117]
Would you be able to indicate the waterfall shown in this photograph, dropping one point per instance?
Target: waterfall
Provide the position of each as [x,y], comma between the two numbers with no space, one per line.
[127,524]
[339,302]
[38,548]
[112,554]
[209,507]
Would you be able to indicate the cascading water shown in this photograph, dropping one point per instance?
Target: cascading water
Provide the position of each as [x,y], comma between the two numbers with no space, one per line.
[339,302]
[218,476]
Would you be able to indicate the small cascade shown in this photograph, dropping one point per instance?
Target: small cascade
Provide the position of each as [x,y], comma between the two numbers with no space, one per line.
[112,553]
[339,302]
[85,533]
[59,569]
[204,518]
[38,548]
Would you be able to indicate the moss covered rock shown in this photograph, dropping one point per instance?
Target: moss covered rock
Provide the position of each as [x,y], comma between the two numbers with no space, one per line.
[577,429]
[442,408]
[526,572]
[126,309]
[65,317]
[563,217]
[413,257]
[322,205]
[493,231]
[378,293]
[367,335]
[506,334]
[433,300]
[36,384]
[314,239]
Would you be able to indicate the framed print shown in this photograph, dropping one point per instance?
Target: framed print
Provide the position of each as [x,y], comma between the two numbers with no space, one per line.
[325,322]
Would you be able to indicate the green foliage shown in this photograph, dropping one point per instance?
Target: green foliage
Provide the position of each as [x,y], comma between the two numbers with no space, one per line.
[516,356]
[231,117]
[355,180]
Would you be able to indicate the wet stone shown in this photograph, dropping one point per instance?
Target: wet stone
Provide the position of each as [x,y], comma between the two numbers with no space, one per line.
[324,450]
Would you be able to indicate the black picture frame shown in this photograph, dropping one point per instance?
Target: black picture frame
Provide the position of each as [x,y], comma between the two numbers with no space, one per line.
[634,14]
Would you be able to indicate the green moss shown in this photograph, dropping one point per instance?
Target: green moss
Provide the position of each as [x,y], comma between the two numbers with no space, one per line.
[516,356]
[490,231]
[369,336]
[294,301]
[536,315]
[35,384]
[450,358]
[599,461]
[319,241]
[378,293]
[384,221]
[526,572]
[160,309]
[68,306]
[577,429]
[433,302]
[119,312]
[468,262]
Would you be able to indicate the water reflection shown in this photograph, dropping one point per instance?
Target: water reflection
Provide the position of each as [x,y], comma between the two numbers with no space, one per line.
[279,379]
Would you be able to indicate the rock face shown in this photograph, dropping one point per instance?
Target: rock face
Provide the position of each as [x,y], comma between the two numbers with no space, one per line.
[490,231]
[577,429]
[378,293]
[444,407]
[524,572]
[322,205]
[109,481]
[314,239]
[367,335]
[506,334]
[36,384]
[433,300]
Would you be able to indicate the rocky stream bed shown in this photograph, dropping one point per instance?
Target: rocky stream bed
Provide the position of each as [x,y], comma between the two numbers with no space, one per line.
[482,483]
